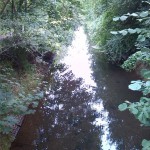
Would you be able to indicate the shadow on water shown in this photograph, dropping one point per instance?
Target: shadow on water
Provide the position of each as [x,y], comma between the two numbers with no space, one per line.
[64,122]
[80,112]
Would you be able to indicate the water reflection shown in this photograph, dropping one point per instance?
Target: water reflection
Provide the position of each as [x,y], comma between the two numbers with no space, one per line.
[123,131]
[65,121]
[78,57]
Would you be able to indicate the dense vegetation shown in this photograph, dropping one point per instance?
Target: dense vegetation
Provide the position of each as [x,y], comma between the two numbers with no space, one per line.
[29,30]
[32,33]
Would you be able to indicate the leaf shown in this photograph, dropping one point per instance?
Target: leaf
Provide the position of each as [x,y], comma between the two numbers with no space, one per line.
[140,20]
[141,38]
[146,144]
[34,104]
[123,18]
[134,15]
[11,119]
[145,113]
[140,117]
[30,112]
[145,73]
[134,110]
[135,87]
[116,18]
[123,32]
[23,108]
[144,14]
[123,106]
[131,31]
[147,83]
[138,30]
[137,81]
[114,32]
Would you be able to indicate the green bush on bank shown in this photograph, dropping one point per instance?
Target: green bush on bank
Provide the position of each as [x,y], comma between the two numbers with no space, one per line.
[27,27]
[100,23]
[141,109]
[15,97]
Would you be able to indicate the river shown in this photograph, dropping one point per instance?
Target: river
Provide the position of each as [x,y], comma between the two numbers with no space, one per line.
[81,107]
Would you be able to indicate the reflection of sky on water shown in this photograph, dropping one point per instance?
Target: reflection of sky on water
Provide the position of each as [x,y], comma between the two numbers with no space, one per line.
[78,60]
[103,121]
[78,57]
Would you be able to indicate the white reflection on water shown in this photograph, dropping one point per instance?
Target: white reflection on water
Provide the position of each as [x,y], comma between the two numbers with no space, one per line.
[78,60]
[103,121]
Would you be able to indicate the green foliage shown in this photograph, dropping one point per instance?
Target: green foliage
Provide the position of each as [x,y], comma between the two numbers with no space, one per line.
[26,26]
[143,86]
[145,144]
[142,41]
[118,48]
[140,109]
[46,25]
[99,23]
[123,106]
[14,100]
[145,73]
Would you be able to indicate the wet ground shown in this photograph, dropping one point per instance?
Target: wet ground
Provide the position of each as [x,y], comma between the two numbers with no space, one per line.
[80,109]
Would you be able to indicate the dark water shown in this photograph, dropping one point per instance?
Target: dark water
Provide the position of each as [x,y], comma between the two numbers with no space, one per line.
[81,112]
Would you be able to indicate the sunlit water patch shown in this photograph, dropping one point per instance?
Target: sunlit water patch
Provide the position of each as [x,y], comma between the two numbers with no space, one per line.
[78,58]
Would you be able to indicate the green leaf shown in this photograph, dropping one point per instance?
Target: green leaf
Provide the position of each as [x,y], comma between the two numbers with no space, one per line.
[145,73]
[134,110]
[140,116]
[123,106]
[114,32]
[147,83]
[134,15]
[145,144]
[116,18]
[123,32]
[135,87]
[34,104]
[146,113]
[144,14]
[138,30]
[131,31]
[123,18]
[141,38]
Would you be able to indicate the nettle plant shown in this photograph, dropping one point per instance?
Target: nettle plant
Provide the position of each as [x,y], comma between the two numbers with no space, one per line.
[14,101]
[141,109]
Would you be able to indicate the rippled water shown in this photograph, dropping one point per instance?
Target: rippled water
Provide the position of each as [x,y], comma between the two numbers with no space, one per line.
[81,109]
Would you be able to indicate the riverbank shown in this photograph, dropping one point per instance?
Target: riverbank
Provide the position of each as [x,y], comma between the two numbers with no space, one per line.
[20,91]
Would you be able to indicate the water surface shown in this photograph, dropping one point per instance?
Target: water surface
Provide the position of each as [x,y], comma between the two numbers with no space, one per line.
[81,108]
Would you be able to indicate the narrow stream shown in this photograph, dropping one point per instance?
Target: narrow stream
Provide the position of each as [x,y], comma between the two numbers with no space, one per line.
[81,109]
